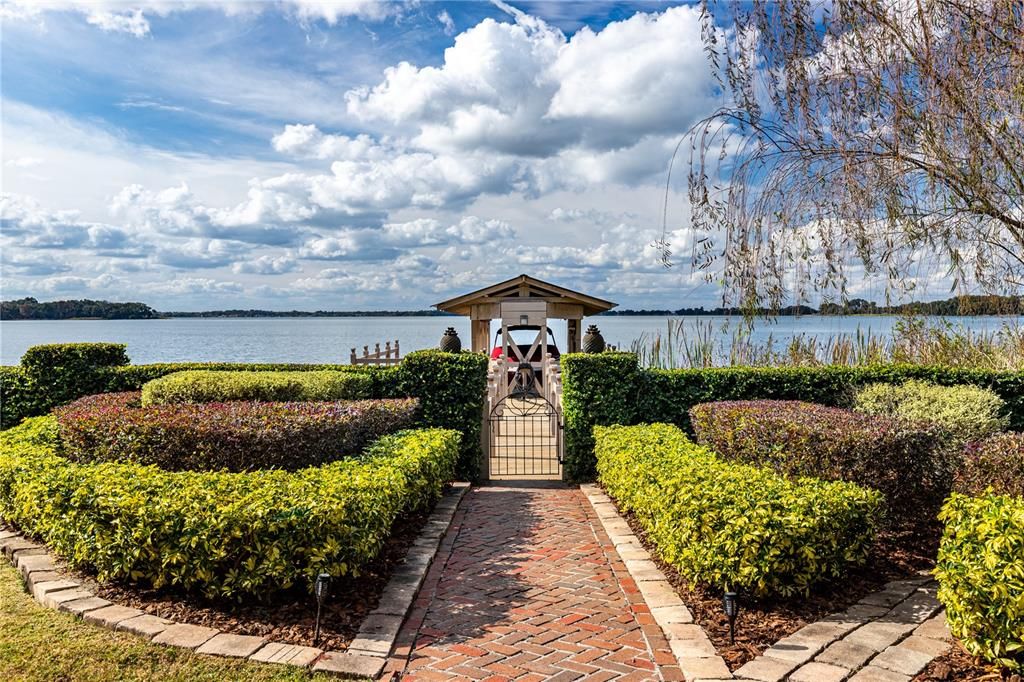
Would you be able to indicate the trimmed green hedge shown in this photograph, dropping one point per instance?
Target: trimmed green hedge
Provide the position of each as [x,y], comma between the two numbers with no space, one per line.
[235,436]
[980,570]
[450,387]
[54,374]
[231,535]
[734,525]
[206,386]
[597,389]
[17,398]
[610,388]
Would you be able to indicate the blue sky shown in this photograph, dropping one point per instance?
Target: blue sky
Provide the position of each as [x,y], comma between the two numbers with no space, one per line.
[345,155]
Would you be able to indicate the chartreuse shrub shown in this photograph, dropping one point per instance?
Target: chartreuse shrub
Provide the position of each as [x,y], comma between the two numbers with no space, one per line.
[237,436]
[996,463]
[135,377]
[611,388]
[232,535]
[735,525]
[980,569]
[200,386]
[908,462]
[967,412]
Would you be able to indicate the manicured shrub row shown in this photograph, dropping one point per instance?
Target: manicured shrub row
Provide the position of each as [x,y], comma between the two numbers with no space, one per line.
[450,387]
[966,412]
[597,389]
[610,388]
[980,569]
[734,525]
[204,386]
[17,398]
[907,462]
[232,535]
[135,377]
[996,462]
[236,436]
[73,357]
[54,374]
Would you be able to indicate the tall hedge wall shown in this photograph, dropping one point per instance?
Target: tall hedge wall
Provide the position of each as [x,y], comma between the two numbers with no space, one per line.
[611,388]
[54,374]
[450,386]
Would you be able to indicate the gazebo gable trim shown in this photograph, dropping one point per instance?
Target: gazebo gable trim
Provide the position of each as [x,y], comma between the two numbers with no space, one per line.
[510,289]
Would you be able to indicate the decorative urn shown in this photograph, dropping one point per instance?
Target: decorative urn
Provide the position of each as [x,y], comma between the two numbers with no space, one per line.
[593,342]
[450,341]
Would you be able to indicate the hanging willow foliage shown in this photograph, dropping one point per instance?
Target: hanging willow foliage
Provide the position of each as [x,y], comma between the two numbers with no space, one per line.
[861,137]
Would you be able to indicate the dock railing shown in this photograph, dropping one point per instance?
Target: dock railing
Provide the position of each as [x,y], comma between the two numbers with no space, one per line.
[380,356]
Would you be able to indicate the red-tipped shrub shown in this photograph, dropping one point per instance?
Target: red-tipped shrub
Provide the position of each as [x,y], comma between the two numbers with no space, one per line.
[237,436]
[996,462]
[908,462]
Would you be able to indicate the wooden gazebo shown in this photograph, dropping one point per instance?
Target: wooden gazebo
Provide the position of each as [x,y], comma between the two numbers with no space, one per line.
[524,300]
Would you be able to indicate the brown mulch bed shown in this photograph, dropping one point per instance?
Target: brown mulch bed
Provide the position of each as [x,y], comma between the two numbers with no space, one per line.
[959,665]
[898,553]
[291,616]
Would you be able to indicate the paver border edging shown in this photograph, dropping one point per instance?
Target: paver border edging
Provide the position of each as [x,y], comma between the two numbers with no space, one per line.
[890,635]
[53,587]
[690,644]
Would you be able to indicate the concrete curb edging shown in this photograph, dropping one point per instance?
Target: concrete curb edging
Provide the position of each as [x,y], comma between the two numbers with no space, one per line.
[888,636]
[690,644]
[368,652]
[54,588]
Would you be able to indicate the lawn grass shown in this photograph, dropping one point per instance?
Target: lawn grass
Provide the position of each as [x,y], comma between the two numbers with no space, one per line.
[37,643]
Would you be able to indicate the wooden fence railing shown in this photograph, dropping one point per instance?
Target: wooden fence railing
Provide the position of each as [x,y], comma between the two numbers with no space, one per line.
[387,356]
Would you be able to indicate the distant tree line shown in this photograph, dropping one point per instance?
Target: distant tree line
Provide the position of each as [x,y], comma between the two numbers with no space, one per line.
[31,309]
[684,312]
[307,313]
[958,305]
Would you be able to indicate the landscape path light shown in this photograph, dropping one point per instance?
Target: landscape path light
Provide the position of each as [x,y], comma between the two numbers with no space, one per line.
[323,581]
[731,606]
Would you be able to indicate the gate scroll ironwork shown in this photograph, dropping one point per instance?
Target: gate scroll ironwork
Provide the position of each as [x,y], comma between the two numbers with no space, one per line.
[525,432]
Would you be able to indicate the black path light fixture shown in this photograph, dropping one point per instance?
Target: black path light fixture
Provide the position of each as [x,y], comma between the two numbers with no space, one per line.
[731,607]
[323,582]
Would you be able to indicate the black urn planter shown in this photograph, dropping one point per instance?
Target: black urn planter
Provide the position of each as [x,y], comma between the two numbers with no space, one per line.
[593,342]
[450,341]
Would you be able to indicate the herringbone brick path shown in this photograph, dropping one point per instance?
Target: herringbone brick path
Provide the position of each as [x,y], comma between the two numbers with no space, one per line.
[532,590]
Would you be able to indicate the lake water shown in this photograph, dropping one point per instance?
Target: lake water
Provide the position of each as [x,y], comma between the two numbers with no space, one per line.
[329,340]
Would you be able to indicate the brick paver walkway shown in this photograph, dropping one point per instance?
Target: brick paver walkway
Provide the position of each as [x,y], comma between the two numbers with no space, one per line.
[532,589]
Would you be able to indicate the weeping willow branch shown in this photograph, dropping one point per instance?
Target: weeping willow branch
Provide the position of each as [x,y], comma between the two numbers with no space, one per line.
[861,137]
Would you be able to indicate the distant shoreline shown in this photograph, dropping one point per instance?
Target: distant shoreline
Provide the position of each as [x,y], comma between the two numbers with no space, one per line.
[300,316]
[84,309]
